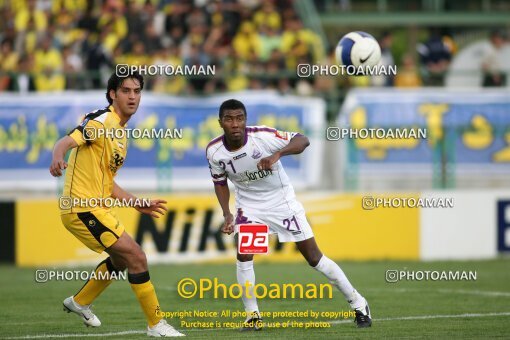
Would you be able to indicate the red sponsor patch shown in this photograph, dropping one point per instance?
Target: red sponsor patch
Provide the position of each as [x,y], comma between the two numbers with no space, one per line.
[281,134]
[253,239]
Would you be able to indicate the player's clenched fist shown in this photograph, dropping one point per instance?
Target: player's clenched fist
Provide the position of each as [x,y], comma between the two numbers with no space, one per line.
[267,162]
[59,151]
[156,207]
[228,225]
[56,167]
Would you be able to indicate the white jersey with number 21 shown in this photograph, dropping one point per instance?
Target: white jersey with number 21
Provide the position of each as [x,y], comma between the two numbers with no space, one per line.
[254,188]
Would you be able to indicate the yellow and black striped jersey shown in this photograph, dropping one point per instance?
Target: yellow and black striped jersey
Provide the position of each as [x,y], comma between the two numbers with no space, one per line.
[93,165]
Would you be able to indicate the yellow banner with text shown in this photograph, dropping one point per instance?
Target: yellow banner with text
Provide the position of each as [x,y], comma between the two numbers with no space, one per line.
[344,227]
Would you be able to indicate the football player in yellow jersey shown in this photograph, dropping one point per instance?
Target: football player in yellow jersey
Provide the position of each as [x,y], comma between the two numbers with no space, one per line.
[95,159]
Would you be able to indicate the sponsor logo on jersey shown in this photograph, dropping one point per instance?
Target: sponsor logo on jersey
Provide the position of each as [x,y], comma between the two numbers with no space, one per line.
[281,134]
[116,161]
[256,175]
[85,121]
[256,154]
[239,156]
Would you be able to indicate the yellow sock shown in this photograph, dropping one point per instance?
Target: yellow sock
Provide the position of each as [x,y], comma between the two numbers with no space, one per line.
[146,295]
[92,288]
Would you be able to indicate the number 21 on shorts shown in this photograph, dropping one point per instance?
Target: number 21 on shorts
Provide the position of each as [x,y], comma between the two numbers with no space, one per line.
[253,239]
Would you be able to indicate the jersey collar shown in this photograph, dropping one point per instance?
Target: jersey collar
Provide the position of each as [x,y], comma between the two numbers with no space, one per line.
[223,139]
[115,115]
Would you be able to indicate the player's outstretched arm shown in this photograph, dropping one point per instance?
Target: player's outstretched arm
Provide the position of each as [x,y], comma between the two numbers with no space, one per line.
[223,195]
[296,145]
[156,207]
[59,151]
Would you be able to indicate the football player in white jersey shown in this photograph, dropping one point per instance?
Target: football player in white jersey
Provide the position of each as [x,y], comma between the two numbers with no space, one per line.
[250,158]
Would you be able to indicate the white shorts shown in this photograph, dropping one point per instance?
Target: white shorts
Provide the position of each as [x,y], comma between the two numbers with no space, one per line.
[290,224]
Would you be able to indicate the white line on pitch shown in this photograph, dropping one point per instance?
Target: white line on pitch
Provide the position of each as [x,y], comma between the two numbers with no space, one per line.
[42,336]
[441,290]
[475,292]
[424,317]
[417,317]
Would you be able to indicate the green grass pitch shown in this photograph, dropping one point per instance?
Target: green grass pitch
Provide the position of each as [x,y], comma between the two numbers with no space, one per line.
[407,309]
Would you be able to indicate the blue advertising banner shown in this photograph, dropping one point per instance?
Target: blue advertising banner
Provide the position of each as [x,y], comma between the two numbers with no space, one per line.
[503,225]
[472,127]
[30,126]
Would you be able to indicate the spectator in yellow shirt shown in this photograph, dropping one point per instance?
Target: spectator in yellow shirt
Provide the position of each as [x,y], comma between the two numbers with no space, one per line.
[117,20]
[8,64]
[26,41]
[138,55]
[49,81]
[23,16]
[169,84]
[295,34]
[48,67]
[73,6]
[8,57]
[246,40]
[268,16]
[408,75]
[47,57]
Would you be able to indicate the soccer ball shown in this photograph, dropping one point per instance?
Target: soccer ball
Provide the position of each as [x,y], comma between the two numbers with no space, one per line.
[358,49]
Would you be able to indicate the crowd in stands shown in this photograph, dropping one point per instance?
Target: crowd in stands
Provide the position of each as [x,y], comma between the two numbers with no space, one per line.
[75,44]
[55,45]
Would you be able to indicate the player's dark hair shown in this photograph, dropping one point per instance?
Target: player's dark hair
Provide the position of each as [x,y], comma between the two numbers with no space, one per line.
[231,104]
[115,82]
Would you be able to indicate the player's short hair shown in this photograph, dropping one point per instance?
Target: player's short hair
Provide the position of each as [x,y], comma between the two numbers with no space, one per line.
[115,82]
[231,104]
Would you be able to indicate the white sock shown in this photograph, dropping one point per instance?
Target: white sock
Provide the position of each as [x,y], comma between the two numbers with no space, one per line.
[245,272]
[338,279]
